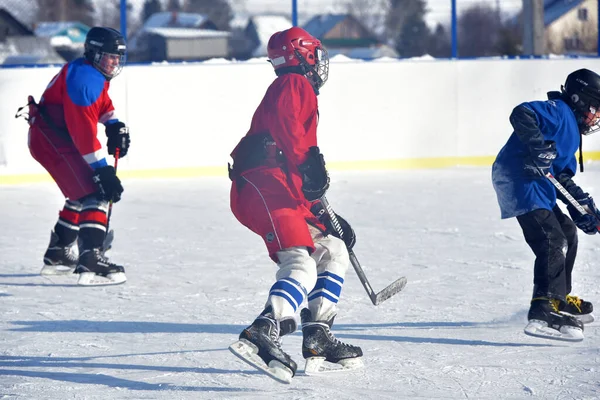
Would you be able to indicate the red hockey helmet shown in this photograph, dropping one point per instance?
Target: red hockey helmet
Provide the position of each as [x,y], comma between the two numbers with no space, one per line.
[295,47]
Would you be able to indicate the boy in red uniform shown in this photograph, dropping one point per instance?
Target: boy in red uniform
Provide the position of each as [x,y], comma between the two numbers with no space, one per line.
[278,177]
[63,139]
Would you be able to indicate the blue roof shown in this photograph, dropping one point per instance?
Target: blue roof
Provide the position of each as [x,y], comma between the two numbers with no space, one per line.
[554,9]
[319,25]
[74,29]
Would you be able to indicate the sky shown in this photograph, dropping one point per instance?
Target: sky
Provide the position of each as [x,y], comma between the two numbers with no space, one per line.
[196,278]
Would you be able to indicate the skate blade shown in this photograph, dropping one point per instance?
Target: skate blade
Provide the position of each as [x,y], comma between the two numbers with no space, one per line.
[56,270]
[318,365]
[248,353]
[584,318]
[91,279]
[542,330]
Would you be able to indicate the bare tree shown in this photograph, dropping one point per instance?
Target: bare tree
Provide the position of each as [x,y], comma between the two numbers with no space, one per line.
[218,11]
[371,13]
[478,31]
[406,27]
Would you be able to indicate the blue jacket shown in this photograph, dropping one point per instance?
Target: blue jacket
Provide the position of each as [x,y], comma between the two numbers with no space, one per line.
[519,193]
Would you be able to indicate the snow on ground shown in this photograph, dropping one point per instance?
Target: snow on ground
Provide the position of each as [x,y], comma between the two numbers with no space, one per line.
[197,278]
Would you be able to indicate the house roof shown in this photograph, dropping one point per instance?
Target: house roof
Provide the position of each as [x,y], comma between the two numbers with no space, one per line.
[319,25]
[28,50]
[175,19]
[554,9]
[186,33]
[5,14]
[49,29]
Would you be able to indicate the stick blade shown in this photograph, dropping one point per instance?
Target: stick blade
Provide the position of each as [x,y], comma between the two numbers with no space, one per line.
[390,291]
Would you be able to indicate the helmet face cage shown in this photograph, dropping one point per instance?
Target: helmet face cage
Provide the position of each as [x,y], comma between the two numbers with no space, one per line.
[589,115]
[582,89]
[105,48]
[319,71]
[297,48]
[109,64]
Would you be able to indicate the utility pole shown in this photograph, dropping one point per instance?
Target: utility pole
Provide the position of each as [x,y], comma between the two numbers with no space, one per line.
[534,42]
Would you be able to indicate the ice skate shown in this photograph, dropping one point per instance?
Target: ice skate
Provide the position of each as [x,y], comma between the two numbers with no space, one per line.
[59,260]
[578,308]
[260,346]
[545,321]
[323,351]
[94,269]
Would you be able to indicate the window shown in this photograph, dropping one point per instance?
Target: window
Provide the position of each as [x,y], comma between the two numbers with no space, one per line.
[582,14]
[572,43]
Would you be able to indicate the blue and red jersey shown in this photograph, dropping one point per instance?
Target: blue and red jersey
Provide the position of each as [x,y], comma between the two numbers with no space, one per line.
[75,101]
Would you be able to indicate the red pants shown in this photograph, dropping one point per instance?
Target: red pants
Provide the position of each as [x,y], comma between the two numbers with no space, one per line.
[263,202]
[64,163]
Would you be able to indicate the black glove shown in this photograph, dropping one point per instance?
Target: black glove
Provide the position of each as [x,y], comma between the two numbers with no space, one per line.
[315,180]
[109,184]
[589,222]
[118,138]
[540,159]
[321,213]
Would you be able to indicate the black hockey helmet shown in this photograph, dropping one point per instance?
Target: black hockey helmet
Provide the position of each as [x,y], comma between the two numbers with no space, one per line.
[105,48]
[582,92]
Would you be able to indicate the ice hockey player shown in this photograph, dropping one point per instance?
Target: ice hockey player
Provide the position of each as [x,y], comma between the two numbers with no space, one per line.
[545,140]
[278,176]
[63,139]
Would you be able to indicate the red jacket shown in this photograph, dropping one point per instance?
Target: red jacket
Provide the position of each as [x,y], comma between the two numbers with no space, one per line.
[289,113]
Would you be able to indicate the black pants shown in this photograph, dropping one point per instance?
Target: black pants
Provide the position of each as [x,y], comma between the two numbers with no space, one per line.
[553,238]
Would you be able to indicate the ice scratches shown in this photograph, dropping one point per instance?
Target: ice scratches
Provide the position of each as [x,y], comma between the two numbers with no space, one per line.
[505,236]
[446,231]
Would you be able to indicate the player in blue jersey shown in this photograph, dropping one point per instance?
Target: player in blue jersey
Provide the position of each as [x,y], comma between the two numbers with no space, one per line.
[546,137]
[63,138]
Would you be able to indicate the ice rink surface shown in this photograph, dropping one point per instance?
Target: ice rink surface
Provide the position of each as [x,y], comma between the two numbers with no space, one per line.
[196,278]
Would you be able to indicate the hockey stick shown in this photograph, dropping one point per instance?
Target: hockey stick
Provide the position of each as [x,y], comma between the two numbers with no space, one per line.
[567,195]
[564,192]
[110,234]
[376,298]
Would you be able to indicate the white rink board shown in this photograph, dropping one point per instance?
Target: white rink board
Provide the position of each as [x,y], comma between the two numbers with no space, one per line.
[192,115]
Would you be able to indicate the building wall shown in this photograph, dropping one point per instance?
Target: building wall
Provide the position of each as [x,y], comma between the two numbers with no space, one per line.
[570,26]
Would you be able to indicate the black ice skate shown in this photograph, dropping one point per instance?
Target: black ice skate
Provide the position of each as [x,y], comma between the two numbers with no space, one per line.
[547,322]
[94,269]
[320,345]
[59,260]
[260,346]
[578,308]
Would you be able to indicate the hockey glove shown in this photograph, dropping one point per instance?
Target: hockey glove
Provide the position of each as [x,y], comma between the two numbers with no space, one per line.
[315,180]
[349,237]
[118,138]
[109,185]
[586,222]
[540,159]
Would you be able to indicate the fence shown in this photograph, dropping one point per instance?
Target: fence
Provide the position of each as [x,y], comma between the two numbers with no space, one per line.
[454,23]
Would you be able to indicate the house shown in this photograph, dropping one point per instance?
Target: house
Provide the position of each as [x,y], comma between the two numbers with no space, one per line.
[67,37]
[19,45]
[344,34]
[571,26]
[175,36]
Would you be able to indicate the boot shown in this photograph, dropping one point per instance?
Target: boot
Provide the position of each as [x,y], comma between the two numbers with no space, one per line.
[260,346]
[578,308]
[546,321]
[95,269]
[59,260]
[319,344]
